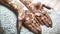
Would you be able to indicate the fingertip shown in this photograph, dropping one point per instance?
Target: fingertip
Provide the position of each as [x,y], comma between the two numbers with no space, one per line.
[51,25]
[48,7]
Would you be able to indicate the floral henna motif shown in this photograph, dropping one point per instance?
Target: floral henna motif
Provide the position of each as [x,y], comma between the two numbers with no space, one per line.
[33,17]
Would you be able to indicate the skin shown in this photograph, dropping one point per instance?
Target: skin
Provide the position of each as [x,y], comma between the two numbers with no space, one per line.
[17,7]
[38,10]
[36,14]
[31,22]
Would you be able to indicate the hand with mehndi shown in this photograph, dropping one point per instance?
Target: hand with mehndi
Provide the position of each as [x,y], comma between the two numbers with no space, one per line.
[38,10]
[33,17]
[41,14]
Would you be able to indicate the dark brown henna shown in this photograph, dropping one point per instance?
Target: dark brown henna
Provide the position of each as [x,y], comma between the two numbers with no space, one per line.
[38,6]
[26,3]
[32,24]
[47,18]
[31,19]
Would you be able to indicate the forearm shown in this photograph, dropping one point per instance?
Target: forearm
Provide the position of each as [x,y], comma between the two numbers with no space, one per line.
[13,4]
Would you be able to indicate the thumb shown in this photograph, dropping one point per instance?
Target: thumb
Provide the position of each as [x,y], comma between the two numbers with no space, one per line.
[46,6]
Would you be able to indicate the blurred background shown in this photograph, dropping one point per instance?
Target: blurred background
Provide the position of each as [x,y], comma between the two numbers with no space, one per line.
[8,19]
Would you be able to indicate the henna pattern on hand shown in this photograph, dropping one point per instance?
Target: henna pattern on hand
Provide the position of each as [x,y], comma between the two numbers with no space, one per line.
[38,10]
[33,17]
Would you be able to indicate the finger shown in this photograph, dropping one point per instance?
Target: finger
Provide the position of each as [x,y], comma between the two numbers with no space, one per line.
[48,18]
[31,24]
[38,16]
[40,5]
[20,20]
[32,28]
[36,26]
[39,19]
[28,23]
[49,21]
[44,20]
[19,25]
[46,6]
[21,15]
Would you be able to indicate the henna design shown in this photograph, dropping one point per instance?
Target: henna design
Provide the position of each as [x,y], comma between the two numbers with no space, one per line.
[31,23]
[37,9]
[33,17]
[13,4]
